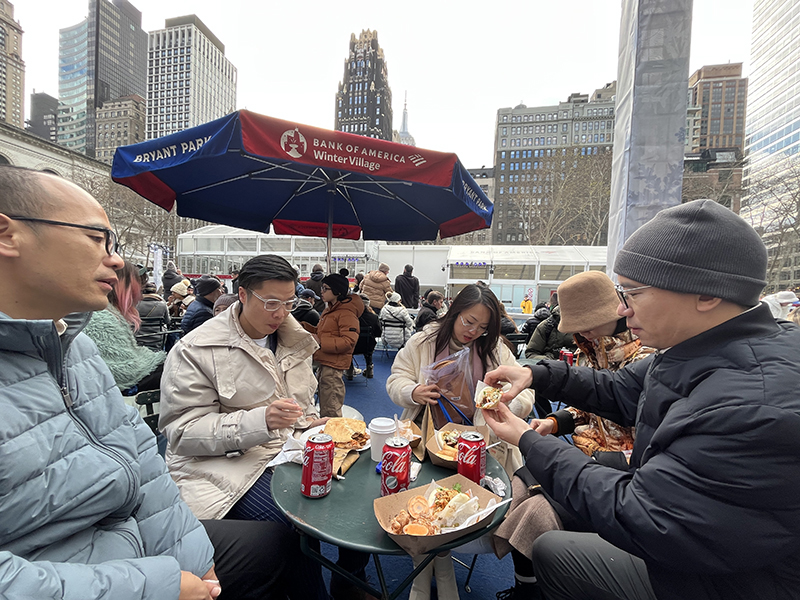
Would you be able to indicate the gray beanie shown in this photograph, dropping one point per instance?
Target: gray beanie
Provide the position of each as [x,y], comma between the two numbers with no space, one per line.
[699,247]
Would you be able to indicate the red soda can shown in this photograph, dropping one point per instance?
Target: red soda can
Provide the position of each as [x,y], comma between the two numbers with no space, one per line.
[317,466]
[567,357]
[395,466]
[472,455]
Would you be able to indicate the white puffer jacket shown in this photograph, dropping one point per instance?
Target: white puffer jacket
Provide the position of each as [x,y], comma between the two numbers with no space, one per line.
[396,314]
[215,391]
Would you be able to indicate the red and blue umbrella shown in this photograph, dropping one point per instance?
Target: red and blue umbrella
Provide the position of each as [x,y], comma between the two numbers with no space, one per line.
[250,171]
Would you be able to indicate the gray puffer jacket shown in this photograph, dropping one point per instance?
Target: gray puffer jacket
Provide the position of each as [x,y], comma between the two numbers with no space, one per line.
[88,509]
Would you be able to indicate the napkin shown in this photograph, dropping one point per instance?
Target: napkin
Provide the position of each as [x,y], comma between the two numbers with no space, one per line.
[292,451]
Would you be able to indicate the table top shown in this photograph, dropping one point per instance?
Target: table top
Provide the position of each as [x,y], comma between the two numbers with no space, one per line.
[346,517]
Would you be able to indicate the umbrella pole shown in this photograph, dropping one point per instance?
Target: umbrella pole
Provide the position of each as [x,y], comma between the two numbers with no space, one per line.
[330,232]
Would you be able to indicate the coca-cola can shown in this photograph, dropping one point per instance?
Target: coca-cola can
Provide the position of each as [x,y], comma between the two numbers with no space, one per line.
[567,357]
[395,466]
[317,466]
[472,455]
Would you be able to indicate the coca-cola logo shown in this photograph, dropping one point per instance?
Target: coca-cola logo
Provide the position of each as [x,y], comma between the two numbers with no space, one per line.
[469,455]
[393,466]
[306,458]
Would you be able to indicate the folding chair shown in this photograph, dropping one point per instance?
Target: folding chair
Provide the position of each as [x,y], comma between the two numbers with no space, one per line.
[519,341]
[392,324]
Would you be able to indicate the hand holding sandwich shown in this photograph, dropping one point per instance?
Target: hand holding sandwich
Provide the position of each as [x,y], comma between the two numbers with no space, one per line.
[520,379]
[505,424]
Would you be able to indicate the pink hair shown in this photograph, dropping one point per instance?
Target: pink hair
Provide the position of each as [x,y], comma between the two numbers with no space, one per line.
[127,293]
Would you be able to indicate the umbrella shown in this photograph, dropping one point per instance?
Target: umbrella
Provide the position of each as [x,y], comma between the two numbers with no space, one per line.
[250,171]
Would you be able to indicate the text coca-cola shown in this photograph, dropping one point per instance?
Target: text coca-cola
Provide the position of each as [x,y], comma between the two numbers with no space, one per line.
[317,466]
[472,455]
[395,466]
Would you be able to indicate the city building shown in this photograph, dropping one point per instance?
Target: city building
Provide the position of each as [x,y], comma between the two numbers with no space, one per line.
[12,68]
[44,117]
[714,174]
[553,171]
[403,136]
[720,92]
[119,122]
[364,99]
[189,79]
[772,172]
[101,58]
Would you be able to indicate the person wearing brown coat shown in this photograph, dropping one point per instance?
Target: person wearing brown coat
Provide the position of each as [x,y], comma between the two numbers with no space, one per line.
[337,334]
[375,285]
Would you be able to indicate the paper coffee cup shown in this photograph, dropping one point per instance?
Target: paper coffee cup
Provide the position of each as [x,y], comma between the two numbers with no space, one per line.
[380,428]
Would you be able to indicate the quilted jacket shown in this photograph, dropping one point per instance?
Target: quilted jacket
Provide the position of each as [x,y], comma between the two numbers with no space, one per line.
[87,509]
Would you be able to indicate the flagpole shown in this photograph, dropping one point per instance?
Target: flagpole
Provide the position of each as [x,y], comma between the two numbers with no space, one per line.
[330,231]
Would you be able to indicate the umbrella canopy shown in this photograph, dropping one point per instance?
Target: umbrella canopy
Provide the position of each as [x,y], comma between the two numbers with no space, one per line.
[250,171]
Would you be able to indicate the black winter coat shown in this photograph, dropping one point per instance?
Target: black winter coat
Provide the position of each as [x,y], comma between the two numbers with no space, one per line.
[315,283]
[711,502]
[168,279]
[408,288]
[305,313]
[425,315]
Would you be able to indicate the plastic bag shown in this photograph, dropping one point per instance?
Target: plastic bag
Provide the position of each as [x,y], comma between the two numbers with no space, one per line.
[453,376]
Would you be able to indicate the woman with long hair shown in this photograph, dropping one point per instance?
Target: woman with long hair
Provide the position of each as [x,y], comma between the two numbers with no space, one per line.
[473,321]
[113,330]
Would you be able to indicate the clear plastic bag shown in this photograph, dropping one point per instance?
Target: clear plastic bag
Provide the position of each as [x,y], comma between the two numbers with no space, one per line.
[453,376]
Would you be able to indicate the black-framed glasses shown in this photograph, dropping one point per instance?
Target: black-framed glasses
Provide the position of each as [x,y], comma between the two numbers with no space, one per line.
[623,293]
[272,304]
[112,244]
[324,288]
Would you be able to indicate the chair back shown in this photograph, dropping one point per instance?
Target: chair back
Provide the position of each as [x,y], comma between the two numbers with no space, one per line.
[518,341]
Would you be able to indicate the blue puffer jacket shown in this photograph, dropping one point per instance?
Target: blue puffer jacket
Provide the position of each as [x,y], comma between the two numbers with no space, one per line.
[87,508]
[712,499]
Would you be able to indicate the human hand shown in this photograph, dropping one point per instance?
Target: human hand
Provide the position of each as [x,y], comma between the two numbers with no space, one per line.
[426,394]
[505,424]
[211,580]
[520,379]
[194,588]
[319,422]
[283,413]
[543,426]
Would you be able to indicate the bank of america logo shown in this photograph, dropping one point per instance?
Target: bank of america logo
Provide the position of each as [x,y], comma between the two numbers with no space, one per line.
[417,159]
[293,143]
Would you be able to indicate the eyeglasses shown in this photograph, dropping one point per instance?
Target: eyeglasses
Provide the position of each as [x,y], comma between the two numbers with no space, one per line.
[623,293]
[472,327]
[271,305]
[325,288]
[112,244]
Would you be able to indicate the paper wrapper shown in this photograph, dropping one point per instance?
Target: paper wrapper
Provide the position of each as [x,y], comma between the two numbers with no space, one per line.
[342,460]
[388,507]
[433,444]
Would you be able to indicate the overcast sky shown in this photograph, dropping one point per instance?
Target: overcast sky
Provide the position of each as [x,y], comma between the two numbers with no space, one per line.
[458,61]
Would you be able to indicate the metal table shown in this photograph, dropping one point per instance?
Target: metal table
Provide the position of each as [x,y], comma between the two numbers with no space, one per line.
[346,517]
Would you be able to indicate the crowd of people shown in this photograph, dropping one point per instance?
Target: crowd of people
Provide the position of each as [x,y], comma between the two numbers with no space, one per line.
[679,406]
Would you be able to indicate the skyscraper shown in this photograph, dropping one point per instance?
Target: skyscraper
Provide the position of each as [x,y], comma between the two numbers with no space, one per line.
[364,99]
[720,92]
[403,136]
[12,68]
[101,58]
[189,80]
[44,116]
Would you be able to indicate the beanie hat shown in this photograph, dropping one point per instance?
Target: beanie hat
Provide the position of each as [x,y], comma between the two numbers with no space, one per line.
[393,297]
[338,284]
[225,300]
[383,268]
[180,288]
[206,285]
[699,247]
[587,300]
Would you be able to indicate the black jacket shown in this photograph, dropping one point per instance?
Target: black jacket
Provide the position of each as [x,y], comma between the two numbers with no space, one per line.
[199,311]
[315,283]
[425,315]
[155,317]
[531,324]
[168,279]
[712,498]
[370,328]
[304,312]
[408,288]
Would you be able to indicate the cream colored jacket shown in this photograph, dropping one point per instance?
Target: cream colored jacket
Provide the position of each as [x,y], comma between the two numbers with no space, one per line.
[215,391]
[419,352]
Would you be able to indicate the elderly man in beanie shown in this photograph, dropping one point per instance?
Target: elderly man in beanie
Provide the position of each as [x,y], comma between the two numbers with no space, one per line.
[376,285]
[315,284]
[337,334]
[207,289]
[708,507]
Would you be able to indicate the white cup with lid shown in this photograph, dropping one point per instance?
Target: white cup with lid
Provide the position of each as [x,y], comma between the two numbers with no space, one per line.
[380,429]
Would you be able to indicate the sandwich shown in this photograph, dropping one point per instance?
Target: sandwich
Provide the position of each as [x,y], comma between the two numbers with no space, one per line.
[349,434]
[488,397]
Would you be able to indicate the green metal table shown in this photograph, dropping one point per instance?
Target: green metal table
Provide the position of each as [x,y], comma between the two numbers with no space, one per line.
[346,518]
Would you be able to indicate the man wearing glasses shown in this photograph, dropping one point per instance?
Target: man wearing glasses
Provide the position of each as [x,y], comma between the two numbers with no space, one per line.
[708,507]
[233,391]
[87,509]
